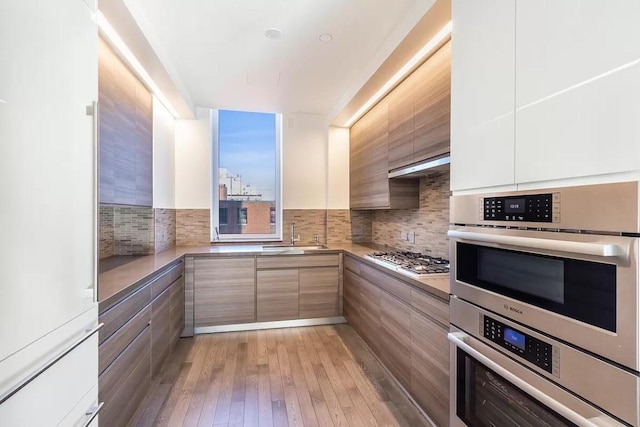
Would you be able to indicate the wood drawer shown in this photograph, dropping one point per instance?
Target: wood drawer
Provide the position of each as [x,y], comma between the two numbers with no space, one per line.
[394,286]
[165,279]
[120,313]
[352,264]
[296,261]
[433,307]
[116,343]
[124,384]
[160,330]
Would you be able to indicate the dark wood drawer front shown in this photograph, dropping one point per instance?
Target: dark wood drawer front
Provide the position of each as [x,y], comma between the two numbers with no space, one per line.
[296,261]
[431,306]
[352,265]
[120,314]
[112,347]
[162,282]
[125,383]
[393,286]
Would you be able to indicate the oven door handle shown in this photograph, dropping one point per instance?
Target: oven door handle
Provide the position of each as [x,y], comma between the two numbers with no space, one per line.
[458,339]
[583,248]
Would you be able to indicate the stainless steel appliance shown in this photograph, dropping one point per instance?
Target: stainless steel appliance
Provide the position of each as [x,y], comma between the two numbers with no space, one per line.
[556,269]
[413,264]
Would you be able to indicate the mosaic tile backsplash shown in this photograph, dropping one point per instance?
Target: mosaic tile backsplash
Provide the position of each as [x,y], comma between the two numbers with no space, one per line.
[165,228]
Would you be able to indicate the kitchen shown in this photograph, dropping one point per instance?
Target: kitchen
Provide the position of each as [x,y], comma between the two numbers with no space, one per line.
[528,113]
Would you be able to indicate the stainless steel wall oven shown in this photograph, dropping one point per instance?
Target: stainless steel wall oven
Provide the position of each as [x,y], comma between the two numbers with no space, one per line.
[545,287]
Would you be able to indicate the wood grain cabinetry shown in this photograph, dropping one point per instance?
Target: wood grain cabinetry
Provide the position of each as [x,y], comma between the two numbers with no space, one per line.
[370,187]
[138,334]
[125,128]
[419,112]
[298,287]
[224,291]
[406,328]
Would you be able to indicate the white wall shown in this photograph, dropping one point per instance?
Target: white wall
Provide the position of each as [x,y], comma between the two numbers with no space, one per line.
[304,159]
[193,161]
[164,157]
[304,162]
[338,168]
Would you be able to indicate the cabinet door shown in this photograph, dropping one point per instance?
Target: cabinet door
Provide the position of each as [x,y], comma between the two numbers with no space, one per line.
[370,315]
[377,187]
[277,295]
[319,292]
[352,299]
[224,291]
[577,88]
[160,330]
[430,367]
[357,172]
[49,56]
[395,338]
[401,112]
[177,310]
[432,101]
[482,93]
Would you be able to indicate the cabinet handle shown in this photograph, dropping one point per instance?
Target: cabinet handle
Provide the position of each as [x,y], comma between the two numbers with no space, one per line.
[92,413]
[92,110]
[42,369]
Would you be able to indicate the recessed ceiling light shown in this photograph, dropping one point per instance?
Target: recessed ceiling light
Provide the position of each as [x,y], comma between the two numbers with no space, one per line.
[326,38]
[273,34]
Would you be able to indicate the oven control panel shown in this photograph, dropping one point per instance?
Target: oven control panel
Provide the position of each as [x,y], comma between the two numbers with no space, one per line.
[526,208]
[533,350]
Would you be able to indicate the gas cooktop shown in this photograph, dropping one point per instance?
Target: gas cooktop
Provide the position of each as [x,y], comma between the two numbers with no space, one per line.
[411,263]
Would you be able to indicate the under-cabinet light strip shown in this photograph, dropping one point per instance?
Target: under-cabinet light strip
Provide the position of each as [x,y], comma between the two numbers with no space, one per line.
[116,41]
[402,72]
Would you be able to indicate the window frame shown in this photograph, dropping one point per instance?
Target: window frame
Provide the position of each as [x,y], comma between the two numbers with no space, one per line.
[215,181]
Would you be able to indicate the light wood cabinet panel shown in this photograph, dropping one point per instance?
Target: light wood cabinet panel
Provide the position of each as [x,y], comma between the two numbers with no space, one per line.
[401,125]
[277,295]
[432,105]
[351,264]
[319,292]
[224,291]
[160,330]
[395,338]
[124,384]
[351,307]
[482,94]
[120,313]
[386,282]
[177,310]
[434,307]
[125,128]
[166,278]
[296,261]
[430,367]
[116,343]
[370,314]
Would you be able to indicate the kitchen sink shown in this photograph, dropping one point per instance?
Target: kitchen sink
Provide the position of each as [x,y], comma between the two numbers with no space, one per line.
[291,248]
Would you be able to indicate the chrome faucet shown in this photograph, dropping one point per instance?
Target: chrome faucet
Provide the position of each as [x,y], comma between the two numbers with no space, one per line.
[293,233]
[217,234]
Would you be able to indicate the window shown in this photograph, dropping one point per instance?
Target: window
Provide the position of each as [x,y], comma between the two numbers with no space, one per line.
[246,175]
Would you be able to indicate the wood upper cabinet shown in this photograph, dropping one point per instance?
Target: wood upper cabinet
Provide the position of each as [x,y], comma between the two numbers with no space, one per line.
[432,105]
[370,187]
[224,291]
[277,294]
[419,112]
[319,292]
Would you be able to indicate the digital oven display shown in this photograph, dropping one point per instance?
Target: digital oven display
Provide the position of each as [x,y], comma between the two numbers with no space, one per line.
[514,338]
[514,205]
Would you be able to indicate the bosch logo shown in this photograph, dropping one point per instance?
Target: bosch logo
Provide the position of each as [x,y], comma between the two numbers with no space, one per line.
[513,309]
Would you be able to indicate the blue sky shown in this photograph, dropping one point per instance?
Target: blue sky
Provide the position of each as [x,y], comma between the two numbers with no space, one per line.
[246,144]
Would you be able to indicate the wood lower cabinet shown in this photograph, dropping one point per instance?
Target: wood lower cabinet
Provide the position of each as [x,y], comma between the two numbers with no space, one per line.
[224,291]
[319,292]
[406,330]
[137,336]
[277,292]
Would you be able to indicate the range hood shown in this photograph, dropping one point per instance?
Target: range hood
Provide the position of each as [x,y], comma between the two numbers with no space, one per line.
[424,168]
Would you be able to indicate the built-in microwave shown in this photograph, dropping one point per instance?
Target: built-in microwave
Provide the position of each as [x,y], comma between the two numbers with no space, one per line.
[562,261]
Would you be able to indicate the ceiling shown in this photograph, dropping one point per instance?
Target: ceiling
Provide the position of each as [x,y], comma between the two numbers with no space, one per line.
[217,54]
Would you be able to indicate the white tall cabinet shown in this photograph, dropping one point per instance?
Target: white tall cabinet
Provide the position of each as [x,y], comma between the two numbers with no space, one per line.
[544,90]
[48,77]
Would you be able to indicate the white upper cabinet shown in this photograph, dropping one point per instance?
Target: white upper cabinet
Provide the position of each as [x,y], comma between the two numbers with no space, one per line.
[577,88]
[482,93]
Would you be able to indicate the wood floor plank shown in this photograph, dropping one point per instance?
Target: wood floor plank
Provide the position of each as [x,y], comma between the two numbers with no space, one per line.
[313,376]
[265,410]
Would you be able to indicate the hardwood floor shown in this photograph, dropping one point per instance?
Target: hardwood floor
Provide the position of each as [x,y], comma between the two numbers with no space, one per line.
[313,376]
